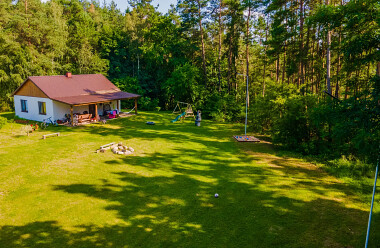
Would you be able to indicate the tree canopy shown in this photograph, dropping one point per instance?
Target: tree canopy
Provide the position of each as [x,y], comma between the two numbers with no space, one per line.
[293,51]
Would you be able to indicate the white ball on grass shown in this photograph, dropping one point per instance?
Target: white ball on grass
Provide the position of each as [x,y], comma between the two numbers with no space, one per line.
[216,195]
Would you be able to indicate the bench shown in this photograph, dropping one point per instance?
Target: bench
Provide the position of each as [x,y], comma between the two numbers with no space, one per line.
[84,117]
[51,134]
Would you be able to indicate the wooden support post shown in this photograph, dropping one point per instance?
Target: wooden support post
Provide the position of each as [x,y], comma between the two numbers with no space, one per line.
[96,112]
[136,106]
[118,106]
[71,115]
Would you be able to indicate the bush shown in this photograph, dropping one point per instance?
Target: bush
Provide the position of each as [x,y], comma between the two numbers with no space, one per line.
[3,121]
[294,128]
[146,103]
[221,107]
[349,167]
[265,111]
[323,126]
[183,84]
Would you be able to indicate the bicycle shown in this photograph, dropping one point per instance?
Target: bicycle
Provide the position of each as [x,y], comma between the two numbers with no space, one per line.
[46,122]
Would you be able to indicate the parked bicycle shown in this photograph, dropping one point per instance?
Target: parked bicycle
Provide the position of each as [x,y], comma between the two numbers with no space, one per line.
[46,122]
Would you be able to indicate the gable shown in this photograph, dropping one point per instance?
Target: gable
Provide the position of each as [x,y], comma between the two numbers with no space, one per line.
[30,89]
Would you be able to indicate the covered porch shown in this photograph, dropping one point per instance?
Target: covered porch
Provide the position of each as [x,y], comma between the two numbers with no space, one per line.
[93,108]
[94,112]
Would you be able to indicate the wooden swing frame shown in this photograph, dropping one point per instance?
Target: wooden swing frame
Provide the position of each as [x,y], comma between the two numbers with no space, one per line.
[189,110]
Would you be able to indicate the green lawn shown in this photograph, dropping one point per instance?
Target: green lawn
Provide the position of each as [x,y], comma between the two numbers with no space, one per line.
[59,193]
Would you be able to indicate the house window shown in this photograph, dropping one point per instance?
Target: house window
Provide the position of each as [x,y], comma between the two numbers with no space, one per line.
[42,108]
[24,106]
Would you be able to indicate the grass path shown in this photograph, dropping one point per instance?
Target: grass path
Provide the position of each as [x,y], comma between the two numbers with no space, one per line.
[59,193]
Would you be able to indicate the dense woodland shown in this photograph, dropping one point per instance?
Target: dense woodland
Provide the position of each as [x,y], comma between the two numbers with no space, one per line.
[311,64]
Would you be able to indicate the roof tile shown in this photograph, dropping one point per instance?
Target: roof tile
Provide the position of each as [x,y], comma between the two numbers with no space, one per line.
[62,86]
[80,89]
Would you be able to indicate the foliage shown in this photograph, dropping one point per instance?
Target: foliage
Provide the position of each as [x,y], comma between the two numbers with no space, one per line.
[328,127]
[293,129]
[223,108]
[198,51]
[183,84]
[3,121]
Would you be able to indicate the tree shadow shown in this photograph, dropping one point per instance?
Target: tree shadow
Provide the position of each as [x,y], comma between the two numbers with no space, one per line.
[174,198]
[165,199]
[161,213]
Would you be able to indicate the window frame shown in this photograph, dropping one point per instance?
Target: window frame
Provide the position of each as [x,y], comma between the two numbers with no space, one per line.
[42,106]
[24,105]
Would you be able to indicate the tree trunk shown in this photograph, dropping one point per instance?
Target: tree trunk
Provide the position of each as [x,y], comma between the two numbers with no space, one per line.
[265,55]
[306,67]
[284,65]
[301,79]
[347,88]
[312,64]
[284,60]
[319,51]
[202,41]
[292,46]
[220,47]
[328,57]
[229,65]
[278,68]
[338,66]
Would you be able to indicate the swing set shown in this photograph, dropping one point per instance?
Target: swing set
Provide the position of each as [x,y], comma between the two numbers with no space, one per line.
[189,110]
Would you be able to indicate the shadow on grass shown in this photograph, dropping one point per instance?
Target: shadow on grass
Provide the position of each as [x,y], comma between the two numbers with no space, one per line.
[163,212]
[167,200]
[170,200]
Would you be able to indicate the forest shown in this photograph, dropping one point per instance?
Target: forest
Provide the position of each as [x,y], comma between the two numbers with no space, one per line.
[312,66]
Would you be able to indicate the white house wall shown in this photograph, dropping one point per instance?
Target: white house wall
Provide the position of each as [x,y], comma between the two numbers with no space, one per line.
[33,112]
[80,109]
[60,109]
[54,109]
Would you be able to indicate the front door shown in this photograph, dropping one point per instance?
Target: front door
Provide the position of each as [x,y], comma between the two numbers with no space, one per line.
[91,110]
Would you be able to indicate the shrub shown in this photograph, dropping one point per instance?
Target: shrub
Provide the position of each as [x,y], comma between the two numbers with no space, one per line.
[294,128]
[3,121]
[349,167]
[222,107]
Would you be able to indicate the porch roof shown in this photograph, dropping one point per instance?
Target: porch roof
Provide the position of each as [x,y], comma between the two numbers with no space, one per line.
[95,98]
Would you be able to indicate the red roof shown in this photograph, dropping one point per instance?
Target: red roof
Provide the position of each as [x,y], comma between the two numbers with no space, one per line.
[84,99]
[80,89]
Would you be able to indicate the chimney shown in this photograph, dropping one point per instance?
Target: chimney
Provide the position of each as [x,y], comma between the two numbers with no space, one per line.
[68,74]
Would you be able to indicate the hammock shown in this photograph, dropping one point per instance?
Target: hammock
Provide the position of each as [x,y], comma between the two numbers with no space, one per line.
[130,110]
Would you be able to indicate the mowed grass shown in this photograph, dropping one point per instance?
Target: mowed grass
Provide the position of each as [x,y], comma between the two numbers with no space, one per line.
[59,193]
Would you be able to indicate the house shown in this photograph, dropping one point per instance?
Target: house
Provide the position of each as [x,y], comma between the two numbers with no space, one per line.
[42,97]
